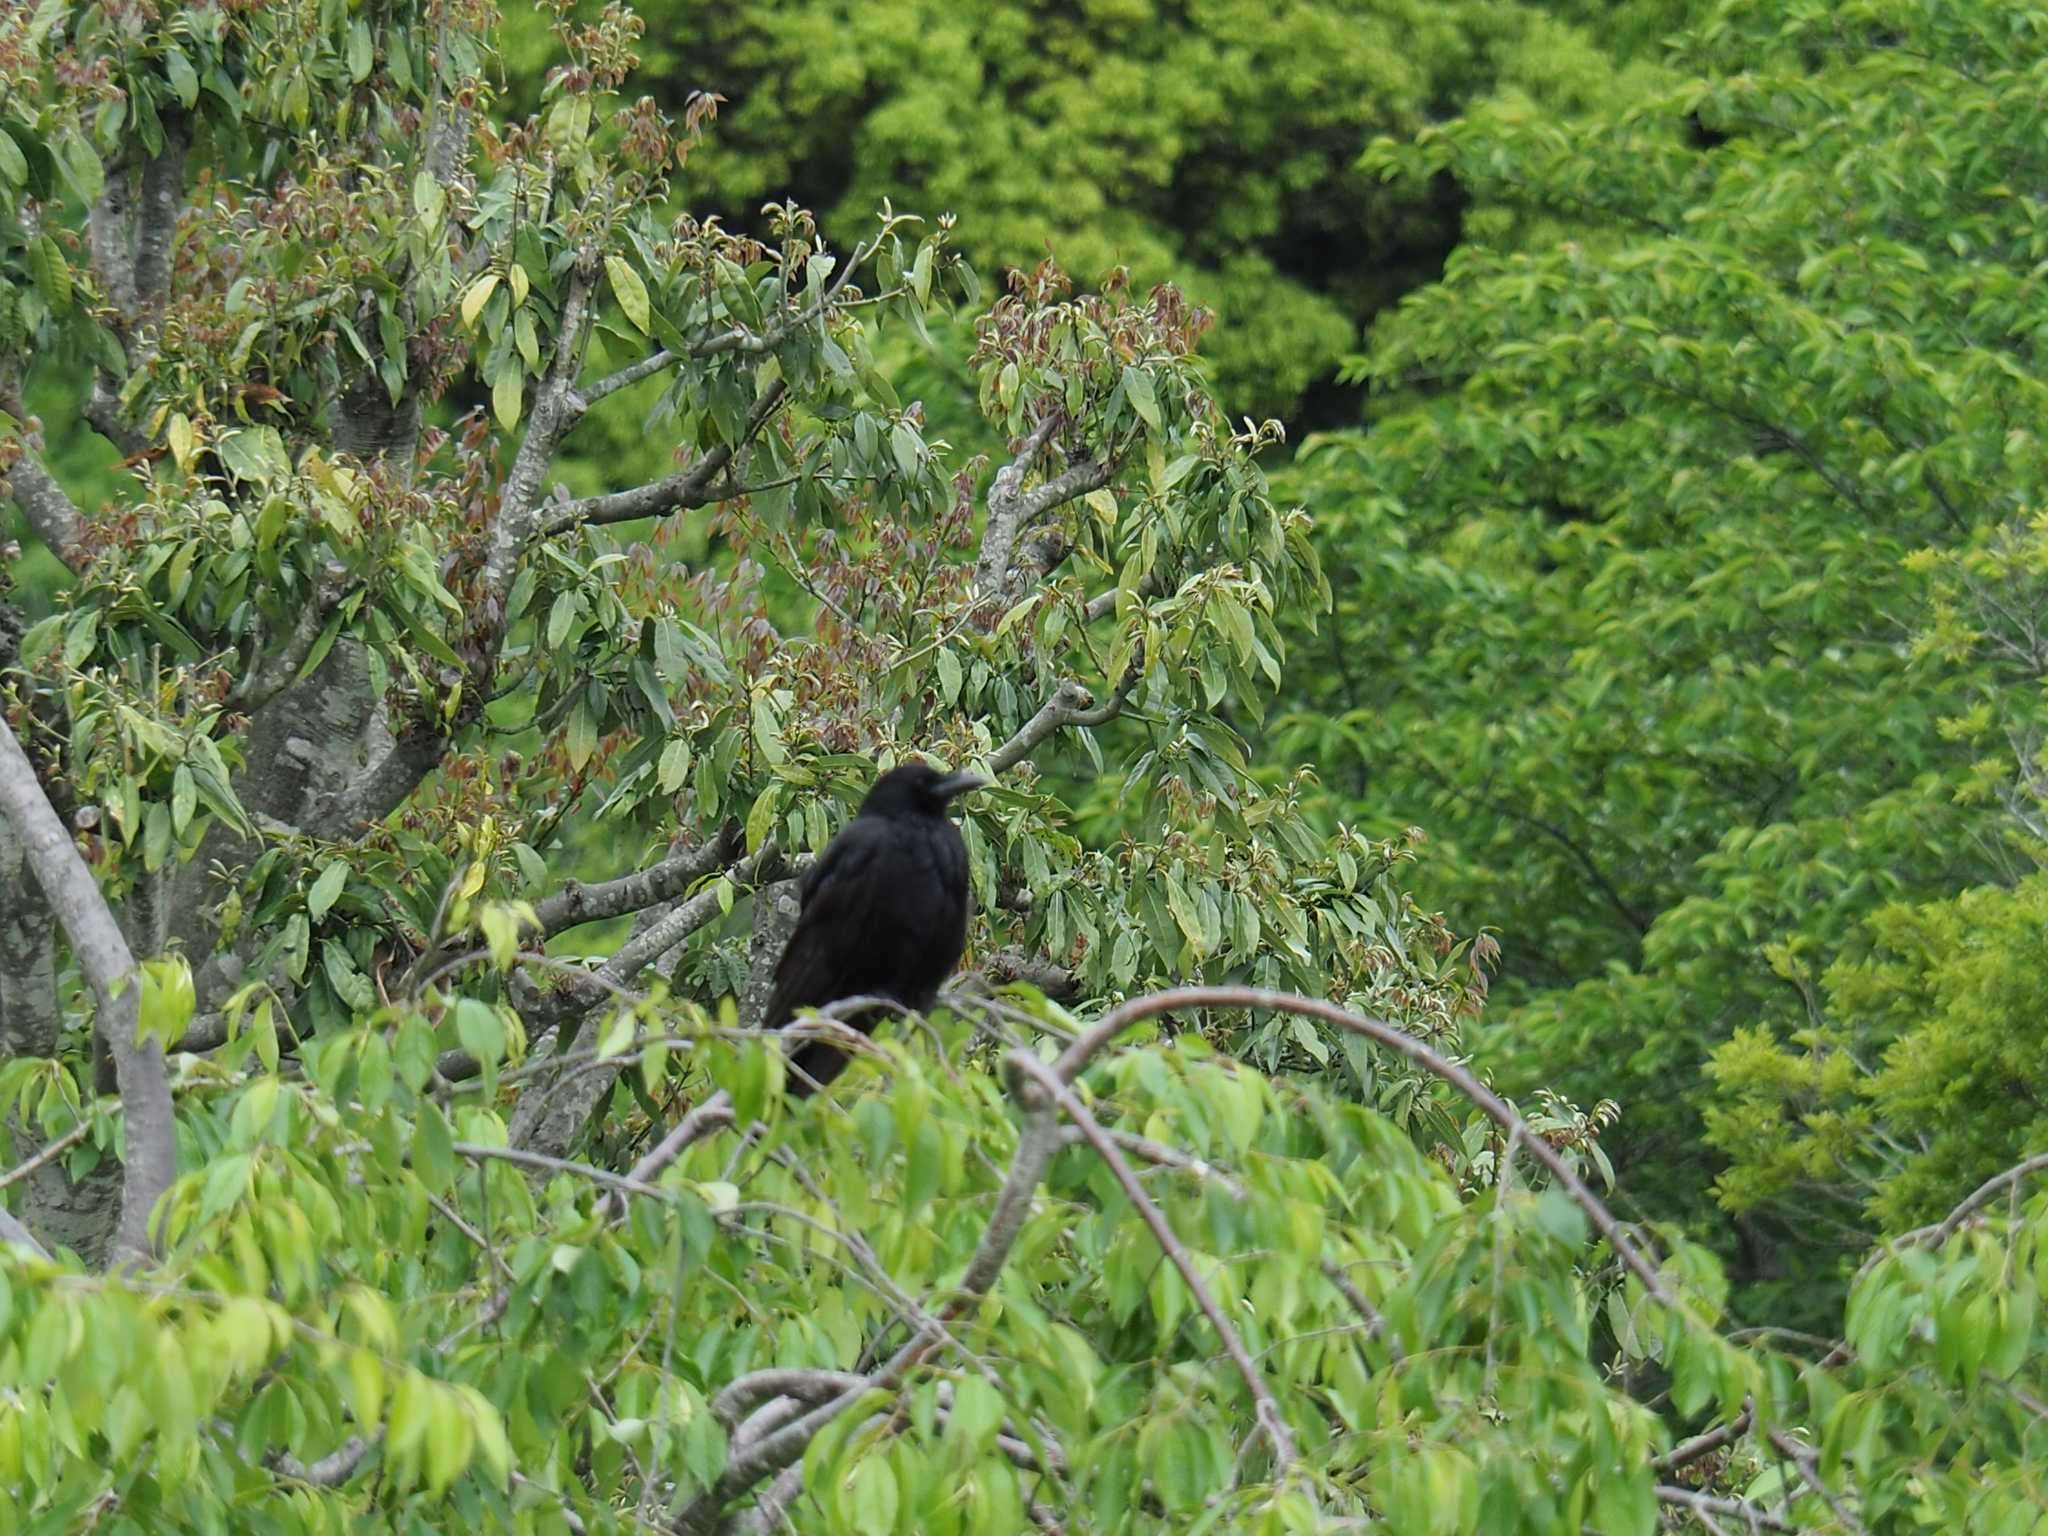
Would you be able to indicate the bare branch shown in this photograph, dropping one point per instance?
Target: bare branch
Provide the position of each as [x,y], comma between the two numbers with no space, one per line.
[1070,704]
[577,902]
[102,953]
[698,486]
[49,1154]
[1754,1516]
[1271,1420]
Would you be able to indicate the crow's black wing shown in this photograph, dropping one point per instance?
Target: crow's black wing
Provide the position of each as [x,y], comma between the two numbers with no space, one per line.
[884,914]
[833,941]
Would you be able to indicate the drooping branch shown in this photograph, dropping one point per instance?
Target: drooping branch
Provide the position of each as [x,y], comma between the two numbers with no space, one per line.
[1270,1418]
[1941,1231]
[102,953]
[1077,1056]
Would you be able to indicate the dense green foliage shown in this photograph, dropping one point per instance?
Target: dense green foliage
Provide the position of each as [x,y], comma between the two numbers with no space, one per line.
[449,811]
[1625,608]
[1212,144]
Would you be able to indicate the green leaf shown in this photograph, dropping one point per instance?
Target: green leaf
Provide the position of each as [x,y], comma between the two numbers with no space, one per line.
[1138,387]
[674,770]
[507,397]
[167,1000]
[326,888]
[629,291]
[13,164]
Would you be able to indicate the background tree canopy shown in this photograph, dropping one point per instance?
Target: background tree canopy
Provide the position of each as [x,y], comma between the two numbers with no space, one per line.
[481,535]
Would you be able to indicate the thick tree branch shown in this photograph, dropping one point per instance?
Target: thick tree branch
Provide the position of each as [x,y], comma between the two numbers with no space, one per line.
[102,953]
[1012,510]
[577,902]
[1686,1452]
[12,1231]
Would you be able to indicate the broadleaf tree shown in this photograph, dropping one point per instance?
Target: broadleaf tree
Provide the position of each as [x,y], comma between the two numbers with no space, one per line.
[412,839]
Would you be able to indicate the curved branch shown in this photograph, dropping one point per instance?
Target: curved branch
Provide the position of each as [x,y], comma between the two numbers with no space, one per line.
[1070,704]
[1950,1224]
[1271,1420]
[1077,1056]
[152,1145]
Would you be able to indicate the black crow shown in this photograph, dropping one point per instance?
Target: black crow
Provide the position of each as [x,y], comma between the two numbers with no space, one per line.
[884,912]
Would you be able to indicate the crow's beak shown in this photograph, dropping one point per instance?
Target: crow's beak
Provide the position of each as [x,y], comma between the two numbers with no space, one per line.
[958,784]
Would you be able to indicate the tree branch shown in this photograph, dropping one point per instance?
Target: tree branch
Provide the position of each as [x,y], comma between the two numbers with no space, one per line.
[1950,1224]
[1012,510]
[555,412]
[12,1231]
[1753,1516]
[49,1154]
[1069,704]
[1686,1452]
[1076,1057]
[577,902]
[697,486]
[1037,1142]
[1270,1418]
[102,953]
[43,501]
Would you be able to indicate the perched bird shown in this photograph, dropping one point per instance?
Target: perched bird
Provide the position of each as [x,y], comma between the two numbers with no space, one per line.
[884,912]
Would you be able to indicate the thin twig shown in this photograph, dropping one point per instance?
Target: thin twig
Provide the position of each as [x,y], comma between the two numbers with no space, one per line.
[51,1153]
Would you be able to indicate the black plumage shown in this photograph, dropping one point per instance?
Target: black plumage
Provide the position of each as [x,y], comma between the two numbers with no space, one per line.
[884,913]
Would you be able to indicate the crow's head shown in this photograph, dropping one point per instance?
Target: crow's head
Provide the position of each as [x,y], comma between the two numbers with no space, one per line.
[916,789]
